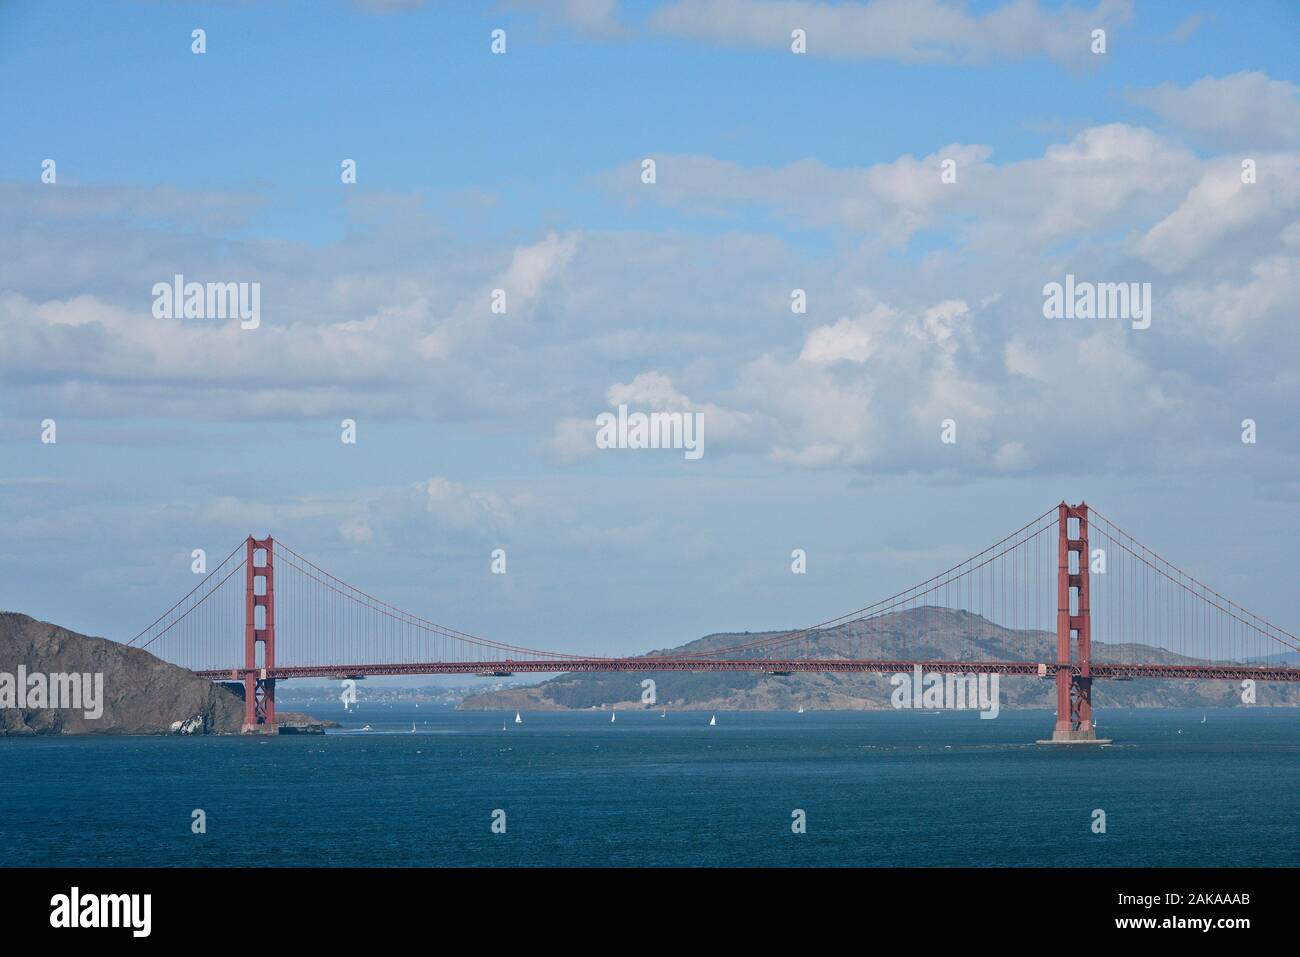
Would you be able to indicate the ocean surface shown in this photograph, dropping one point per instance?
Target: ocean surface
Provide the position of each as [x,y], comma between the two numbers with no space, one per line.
[877,789]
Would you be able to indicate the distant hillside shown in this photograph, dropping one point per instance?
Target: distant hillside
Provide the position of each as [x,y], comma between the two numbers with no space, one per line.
[141,694]
[919,634]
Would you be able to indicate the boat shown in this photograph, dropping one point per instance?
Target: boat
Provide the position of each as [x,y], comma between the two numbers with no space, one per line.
[367,728]
[503,725]
[612,717]
[713,721]
[1202,719]
[800,711]
[518,720]
[412,727]
[665,714]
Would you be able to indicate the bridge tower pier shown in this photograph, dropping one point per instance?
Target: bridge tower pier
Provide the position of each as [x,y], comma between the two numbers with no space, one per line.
[1073,633]
[259,690]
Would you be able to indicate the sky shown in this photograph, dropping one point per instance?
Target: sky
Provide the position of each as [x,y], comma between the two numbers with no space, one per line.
[523,171]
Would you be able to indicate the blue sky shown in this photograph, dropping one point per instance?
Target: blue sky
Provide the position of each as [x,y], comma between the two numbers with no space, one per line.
[776,171]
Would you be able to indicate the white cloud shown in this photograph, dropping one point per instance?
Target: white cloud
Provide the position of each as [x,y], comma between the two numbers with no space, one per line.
[1012,457]
[1227,310]
[725,429]
[1246,109]
[649,390]
[595,18]
[848,340]
[912,31]
[572,439]
[892,344]
[889,200]
[532,267]
[356,531]
[460,507]
[1101,177]
[1219,206]
[869,390]
[387,6]
[1183,32]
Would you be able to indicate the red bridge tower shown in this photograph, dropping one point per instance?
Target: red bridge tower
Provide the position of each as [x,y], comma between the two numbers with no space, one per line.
[259,690]
[1073,627]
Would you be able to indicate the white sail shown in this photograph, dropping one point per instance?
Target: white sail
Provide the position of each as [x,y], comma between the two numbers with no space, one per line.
[713,721]
[518,720]
[612,717]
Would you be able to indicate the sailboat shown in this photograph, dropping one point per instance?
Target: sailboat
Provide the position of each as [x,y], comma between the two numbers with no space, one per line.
[503,725]
[412,727]
[518,720]
[612,716]
[800,711]
[665,714]
[713,721]
[1202,719]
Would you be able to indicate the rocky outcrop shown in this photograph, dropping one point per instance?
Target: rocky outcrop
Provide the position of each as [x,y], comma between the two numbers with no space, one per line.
[294,722]
[141,694]
[191,725]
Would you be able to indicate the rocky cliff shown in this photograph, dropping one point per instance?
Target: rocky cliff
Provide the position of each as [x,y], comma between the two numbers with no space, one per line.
[141,694]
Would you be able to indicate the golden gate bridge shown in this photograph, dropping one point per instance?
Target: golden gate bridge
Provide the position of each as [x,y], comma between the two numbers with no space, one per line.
[1117,608]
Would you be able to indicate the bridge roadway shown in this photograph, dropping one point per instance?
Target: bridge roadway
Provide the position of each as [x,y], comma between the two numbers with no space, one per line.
[1198,672]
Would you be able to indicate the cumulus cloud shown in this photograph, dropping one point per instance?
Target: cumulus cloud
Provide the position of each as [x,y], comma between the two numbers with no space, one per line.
[726,429]
[870,390]
[460,507]
[1247,109]
[352,341]
[1220,206]
[847,340]
[398,323]
[1231,309]
[531,268]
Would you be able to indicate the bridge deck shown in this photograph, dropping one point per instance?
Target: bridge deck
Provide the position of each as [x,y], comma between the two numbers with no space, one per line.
[1201,672]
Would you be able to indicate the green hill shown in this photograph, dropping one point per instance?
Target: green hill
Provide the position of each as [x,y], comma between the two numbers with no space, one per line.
[918,634]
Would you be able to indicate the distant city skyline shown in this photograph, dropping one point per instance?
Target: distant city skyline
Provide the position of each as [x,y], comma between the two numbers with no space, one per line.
[775,173]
